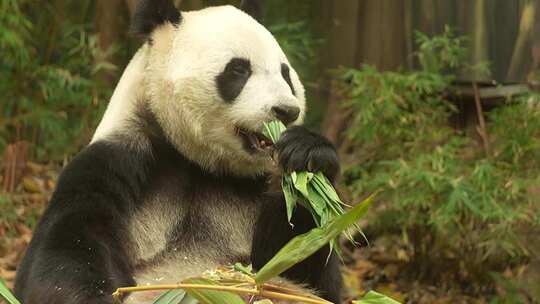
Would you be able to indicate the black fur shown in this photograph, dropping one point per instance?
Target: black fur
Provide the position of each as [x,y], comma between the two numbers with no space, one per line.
[300,149]
[234,77]
[150,14]
[77,251]
[254,8]
[81,253]
[286,74]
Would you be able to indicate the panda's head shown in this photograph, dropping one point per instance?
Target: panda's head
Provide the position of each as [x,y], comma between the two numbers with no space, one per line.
[212,78]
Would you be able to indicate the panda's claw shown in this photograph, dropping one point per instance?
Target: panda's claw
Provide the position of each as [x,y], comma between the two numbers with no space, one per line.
[302,150]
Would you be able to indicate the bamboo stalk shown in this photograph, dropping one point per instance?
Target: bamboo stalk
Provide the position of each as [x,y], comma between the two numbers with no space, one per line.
[117,295]
[482,123]
[524,36]
[283,296]
[290,291]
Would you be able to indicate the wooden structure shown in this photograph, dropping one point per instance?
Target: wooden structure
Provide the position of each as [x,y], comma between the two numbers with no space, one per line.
[505,34]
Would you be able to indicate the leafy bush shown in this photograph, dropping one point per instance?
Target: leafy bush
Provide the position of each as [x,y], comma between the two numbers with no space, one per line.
[49,90]
[454,205]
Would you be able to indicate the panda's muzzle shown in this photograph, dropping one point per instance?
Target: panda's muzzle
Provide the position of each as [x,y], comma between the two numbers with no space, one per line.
[254,141]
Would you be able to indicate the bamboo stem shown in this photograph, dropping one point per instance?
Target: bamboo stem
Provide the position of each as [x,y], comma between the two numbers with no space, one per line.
[482,123]
[280,288]
[283,296]
[123,290]
[256,291]
[291,291]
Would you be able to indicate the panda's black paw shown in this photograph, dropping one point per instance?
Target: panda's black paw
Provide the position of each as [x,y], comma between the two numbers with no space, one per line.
[300,149]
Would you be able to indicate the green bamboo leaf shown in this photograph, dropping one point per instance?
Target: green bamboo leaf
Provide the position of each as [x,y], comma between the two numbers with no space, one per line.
[174,296]
[293,177]
[336,206]
[325,184]
[301,182]
[317,202]
[303,246]
[6,294]
[212,296]
[189,300]
[373,297]
[290,195]
[243,269]
[273,130]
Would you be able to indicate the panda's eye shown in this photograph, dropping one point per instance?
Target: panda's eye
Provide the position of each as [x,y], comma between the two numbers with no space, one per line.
[286,74]
[239,67]
[231,81]
[240,70]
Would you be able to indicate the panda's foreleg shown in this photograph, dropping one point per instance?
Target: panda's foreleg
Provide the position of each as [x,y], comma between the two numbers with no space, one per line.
[79,252]
[74,262]
[299,149]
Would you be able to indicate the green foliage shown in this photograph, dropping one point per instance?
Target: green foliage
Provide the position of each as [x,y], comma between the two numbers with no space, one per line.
[450,200]
[49,92]
[212,296]
[7,210]
[373,297]
[303,246]
[310,189]
[439,53]
[173,296]
[273,130]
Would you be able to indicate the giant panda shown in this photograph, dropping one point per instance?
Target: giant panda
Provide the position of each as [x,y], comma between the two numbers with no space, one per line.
[176,179]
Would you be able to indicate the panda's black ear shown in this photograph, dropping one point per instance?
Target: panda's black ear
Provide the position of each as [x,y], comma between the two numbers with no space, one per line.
[254,8]
[150,14]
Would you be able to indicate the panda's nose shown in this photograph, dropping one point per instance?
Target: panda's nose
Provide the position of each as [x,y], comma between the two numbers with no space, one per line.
[287,114]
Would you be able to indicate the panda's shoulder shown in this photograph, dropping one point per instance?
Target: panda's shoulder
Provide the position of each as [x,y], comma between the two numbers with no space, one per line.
[107,155]
[105,165]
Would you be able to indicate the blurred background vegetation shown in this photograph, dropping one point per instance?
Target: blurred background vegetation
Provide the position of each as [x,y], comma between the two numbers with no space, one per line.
[433,101]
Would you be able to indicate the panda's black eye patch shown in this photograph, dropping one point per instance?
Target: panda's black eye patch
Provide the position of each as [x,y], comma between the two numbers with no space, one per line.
[240,68]
[286,74]
[233,78]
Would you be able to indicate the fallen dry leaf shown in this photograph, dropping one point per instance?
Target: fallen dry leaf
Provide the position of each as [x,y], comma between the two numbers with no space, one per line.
[32,184]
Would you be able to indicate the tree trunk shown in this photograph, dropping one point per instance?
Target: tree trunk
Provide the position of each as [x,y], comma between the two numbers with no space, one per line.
[108,24]
[480,37]
[108,21]
[382,39]
[523,42]
[131,4]
[341,50]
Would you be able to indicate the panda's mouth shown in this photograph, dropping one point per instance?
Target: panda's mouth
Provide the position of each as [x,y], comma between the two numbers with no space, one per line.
[254,141]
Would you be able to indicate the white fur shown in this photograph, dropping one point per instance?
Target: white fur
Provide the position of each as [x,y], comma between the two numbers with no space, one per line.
[151,226]
[124,99]
[176,75]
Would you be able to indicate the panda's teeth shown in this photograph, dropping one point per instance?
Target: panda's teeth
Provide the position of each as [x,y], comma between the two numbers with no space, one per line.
[256,141]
